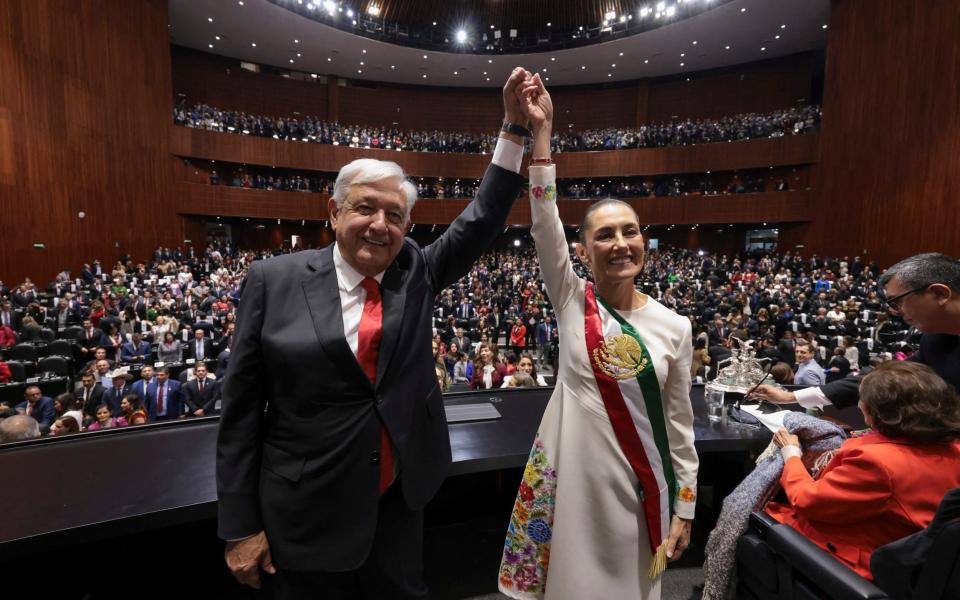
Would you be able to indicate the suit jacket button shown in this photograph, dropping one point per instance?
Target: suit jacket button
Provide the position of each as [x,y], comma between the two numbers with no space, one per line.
[375,457]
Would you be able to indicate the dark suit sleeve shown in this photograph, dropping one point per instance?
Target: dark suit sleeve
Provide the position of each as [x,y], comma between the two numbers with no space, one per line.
[843,392]
[192,400]
[240,439]
[472,233]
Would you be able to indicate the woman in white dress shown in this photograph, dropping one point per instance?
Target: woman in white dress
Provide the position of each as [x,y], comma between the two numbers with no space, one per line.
[614,454]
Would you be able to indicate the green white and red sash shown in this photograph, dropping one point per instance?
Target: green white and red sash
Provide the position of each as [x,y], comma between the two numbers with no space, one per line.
[631,395]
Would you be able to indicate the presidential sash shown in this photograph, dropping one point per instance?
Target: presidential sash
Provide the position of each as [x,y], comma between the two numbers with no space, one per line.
[631,395]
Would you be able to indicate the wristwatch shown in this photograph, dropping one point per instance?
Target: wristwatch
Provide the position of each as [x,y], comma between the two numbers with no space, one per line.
[516,130]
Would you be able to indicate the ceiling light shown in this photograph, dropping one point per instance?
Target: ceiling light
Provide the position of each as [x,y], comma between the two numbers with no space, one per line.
[488,79]
[361,63]
[553,58]
[661,6]
[546,79]
[583,68]
[329,60]
[210,19]
[354,21]
[424,75]
[349,13]
[621,54]
[763,49]
[614,65]
[671,10]
[694,42]
[456,73]
[209,45]
[682,54]
[644,11]
[610,15]
[646,61]
[298,55]
[254,44]
[359,70]
[296,41]
[783,27]
[434,23]
[364,51]
[609,74]
[393,66]
[549,24]
[424,57]
[776,37]
[681,64]
[492,27]
[216,37]
[461,36]
[824,26]
[240,2]
[484,72]
[373,10]
[726,47]
[744,9]
[623,18]
[291,61]
[490,61]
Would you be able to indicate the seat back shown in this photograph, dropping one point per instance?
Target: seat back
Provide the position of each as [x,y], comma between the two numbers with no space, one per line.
[940,577]
[74,332]
[47,334]
[24,353]
[59,348]
[54,364]
[17,371]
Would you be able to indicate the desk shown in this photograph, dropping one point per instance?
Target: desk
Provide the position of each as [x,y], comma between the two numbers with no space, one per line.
[159,475]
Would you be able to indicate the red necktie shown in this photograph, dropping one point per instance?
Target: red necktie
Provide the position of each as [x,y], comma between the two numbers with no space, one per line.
[159,399]
[368,349]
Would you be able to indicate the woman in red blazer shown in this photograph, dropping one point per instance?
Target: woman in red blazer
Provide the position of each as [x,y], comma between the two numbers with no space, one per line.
[887,484]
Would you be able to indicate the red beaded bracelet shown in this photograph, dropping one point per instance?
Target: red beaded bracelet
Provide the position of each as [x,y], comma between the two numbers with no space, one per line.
[541,161]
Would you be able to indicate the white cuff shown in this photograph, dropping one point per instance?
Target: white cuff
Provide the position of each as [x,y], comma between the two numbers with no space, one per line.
[508,155]
[811,397]
[789,452]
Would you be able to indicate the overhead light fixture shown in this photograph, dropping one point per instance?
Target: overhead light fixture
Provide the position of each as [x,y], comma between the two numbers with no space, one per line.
[671,10]
[644,12]
[783,27]
[296,41]
[291,61]
[349,13]
[776,37]
[763,49]
[490,61]
[240,2]
[824,26]
[681,64]
[424,57]
[744,9]
[583,67]
[461,36]
[726,47]
[393,66]
[646,61]
[209,45]
[661,6]
[621,54]
[623,18]
[329,59]
[613,66]
[694,42]
[553,58]
[364,51]
[373,10]
[216,37]
[361,63]
[424,75]
[210,19]
[549,24]
[254,44]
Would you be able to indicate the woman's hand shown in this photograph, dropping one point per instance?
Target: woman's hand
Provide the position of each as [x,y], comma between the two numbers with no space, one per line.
[788,443]
[536,103]
[513,111]
[679,538]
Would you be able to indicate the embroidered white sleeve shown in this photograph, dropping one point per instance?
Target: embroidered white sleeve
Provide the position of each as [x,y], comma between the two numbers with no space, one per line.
[547,231]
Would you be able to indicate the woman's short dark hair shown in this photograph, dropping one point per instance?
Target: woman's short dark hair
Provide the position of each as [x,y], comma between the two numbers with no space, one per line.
[70,424]
[909,400]
[782,373]
[134,401]
[585,224]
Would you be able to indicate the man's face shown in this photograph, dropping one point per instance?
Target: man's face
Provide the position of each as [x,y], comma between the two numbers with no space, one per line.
[198,334]
[32,394]
[103,366]
[137,338]
[100,353]
[119,381]
[88,381]
[162,376]
[201,371]
[459,331]
[920,309]
[803,353]
[370,225]
[146,373]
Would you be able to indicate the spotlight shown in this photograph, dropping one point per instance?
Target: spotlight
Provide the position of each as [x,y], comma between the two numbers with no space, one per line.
[461,36]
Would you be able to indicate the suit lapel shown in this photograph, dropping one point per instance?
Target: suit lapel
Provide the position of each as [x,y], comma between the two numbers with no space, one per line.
[393,296]
[322,292]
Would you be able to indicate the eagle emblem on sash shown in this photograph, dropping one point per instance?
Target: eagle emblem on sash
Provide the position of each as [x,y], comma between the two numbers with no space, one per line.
[620,357]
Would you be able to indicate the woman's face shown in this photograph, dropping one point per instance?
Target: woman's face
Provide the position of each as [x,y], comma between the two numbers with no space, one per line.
[103,415]
[525,365]
[614,246]
[125,405]
[485,355]
[168,337]
[58,406]
[58,427]
[436,349]
[454,348]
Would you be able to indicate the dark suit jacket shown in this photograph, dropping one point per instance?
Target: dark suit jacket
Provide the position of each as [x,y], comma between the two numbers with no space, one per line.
[194,399]
[43,411]
[89,408]
[112,397]
[173,400]
[307,471]
[129,353]
[190,350]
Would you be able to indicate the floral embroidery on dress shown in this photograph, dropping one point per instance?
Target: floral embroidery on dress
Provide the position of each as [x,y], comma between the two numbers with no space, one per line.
[687,495]
[526,550]
[537,191]
[550,192]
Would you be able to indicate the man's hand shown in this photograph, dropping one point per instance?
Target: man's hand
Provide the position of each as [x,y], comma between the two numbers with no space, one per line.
[198,412]
[679,539]
[773,394]
[512,108]
[247,556]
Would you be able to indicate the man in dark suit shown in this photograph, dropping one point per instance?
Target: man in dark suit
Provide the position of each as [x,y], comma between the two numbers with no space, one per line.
[326,492]
[546,334]
[199,348]
[115,393]
[65,316]
[924,290]
[89,395]
[135,351]
[38,406]
[89,340]
[141,385]
[199,394]
[164,398]
[8,317]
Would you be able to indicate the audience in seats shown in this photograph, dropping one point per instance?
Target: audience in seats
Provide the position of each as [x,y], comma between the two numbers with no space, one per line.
[884,485]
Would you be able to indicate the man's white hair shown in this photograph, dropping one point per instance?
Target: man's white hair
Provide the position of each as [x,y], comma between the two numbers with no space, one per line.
[371,170]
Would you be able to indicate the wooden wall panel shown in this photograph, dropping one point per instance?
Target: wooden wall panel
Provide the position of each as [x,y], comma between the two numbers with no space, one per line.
[773,207]
[756,87]
[890,171]
[84,118]
[795,150]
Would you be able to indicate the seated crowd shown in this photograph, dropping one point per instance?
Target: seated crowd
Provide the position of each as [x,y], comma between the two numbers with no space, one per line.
[818,319]
[792,121]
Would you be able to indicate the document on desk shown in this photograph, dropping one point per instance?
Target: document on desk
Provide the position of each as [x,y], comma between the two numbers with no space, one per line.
[772,421]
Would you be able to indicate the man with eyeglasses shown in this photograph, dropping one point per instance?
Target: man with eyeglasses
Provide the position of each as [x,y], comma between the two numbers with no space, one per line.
[924,290]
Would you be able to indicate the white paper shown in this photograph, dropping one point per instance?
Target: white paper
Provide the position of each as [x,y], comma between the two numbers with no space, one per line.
[772,421]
